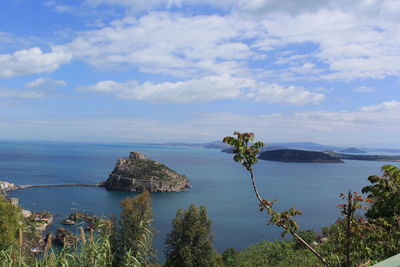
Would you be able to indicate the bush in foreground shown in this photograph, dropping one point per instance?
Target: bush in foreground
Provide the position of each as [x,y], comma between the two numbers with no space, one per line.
[190,242]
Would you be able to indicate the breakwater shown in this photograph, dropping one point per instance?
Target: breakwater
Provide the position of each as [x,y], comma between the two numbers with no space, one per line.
[19,187]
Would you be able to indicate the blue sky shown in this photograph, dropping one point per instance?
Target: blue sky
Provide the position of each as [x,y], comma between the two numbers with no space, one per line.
[194,71]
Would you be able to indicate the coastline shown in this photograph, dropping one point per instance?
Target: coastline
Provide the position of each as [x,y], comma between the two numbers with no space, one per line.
[39,220]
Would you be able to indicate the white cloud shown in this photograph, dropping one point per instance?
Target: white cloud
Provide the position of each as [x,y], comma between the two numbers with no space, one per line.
[20,94]
[347,43]
[6,37]
[205,89]
[382,8]
[30,61]
[324,90]
[198,90]
[148,5]
[275,93]
[306,68]
[379,117]
[168,43]
[356,127]
[385,106]
[45,83]
[109,86]
[262,7]
[328,127]
[60,7]
[39,88]
[364,89]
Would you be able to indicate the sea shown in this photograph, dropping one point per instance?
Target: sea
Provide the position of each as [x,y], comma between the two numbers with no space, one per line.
[218,183]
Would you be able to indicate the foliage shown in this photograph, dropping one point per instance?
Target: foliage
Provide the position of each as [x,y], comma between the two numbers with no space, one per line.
[356,240]
[385,192]
[131,245]
[272,254]
[133,240]
[229,255]
[96,252]
[352,229]
[10,222]
[307,235]
[244,148]
[384,213]
[190,241]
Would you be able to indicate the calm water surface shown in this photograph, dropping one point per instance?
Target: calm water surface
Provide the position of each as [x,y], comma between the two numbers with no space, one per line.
[218,183]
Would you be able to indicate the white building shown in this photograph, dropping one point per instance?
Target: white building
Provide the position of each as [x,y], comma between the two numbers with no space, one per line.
[5,185]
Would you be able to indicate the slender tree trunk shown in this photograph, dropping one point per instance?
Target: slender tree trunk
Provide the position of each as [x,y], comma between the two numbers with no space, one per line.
[301,240]
[349,213]
[255,186]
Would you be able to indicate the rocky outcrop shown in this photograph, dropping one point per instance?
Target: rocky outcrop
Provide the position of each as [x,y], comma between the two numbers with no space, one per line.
[64,238]
[68,222]
[42,220]
[138,173]
[77,215]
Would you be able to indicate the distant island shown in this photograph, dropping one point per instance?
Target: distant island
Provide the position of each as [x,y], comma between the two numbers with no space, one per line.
[229,150]
[328,156]
[294,155]
[309,146]
[353,150]
[386,158]
[139,173]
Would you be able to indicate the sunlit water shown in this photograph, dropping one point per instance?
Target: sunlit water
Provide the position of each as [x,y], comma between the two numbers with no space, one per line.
[217,183]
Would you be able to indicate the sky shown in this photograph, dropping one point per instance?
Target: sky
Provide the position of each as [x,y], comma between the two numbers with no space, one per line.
[198,70]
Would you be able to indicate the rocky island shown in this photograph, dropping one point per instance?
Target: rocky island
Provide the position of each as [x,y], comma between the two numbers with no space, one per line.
[387,158]
[139,173]
[294,155]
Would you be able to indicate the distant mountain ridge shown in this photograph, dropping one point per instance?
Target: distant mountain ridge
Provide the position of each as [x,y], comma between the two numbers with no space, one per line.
[352,150]
[289,145]
[328,156]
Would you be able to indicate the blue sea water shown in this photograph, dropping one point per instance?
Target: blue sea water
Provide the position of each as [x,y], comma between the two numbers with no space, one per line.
[218,183]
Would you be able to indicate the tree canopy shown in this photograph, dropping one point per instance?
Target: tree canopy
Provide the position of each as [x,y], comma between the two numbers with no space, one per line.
[190,243]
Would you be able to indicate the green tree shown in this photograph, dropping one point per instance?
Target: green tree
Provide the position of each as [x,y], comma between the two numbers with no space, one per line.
[10,222]
[358,241]
[352,229]
[133,242]
[229,255]
[385,193]
[190,243]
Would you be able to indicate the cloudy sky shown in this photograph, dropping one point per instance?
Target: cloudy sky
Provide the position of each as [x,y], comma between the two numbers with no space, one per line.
[197,70]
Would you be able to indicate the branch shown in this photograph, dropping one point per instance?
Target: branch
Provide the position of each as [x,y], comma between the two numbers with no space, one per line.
[301,240]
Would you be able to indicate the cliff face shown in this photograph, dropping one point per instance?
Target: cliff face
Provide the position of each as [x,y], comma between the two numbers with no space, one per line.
[138,173]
